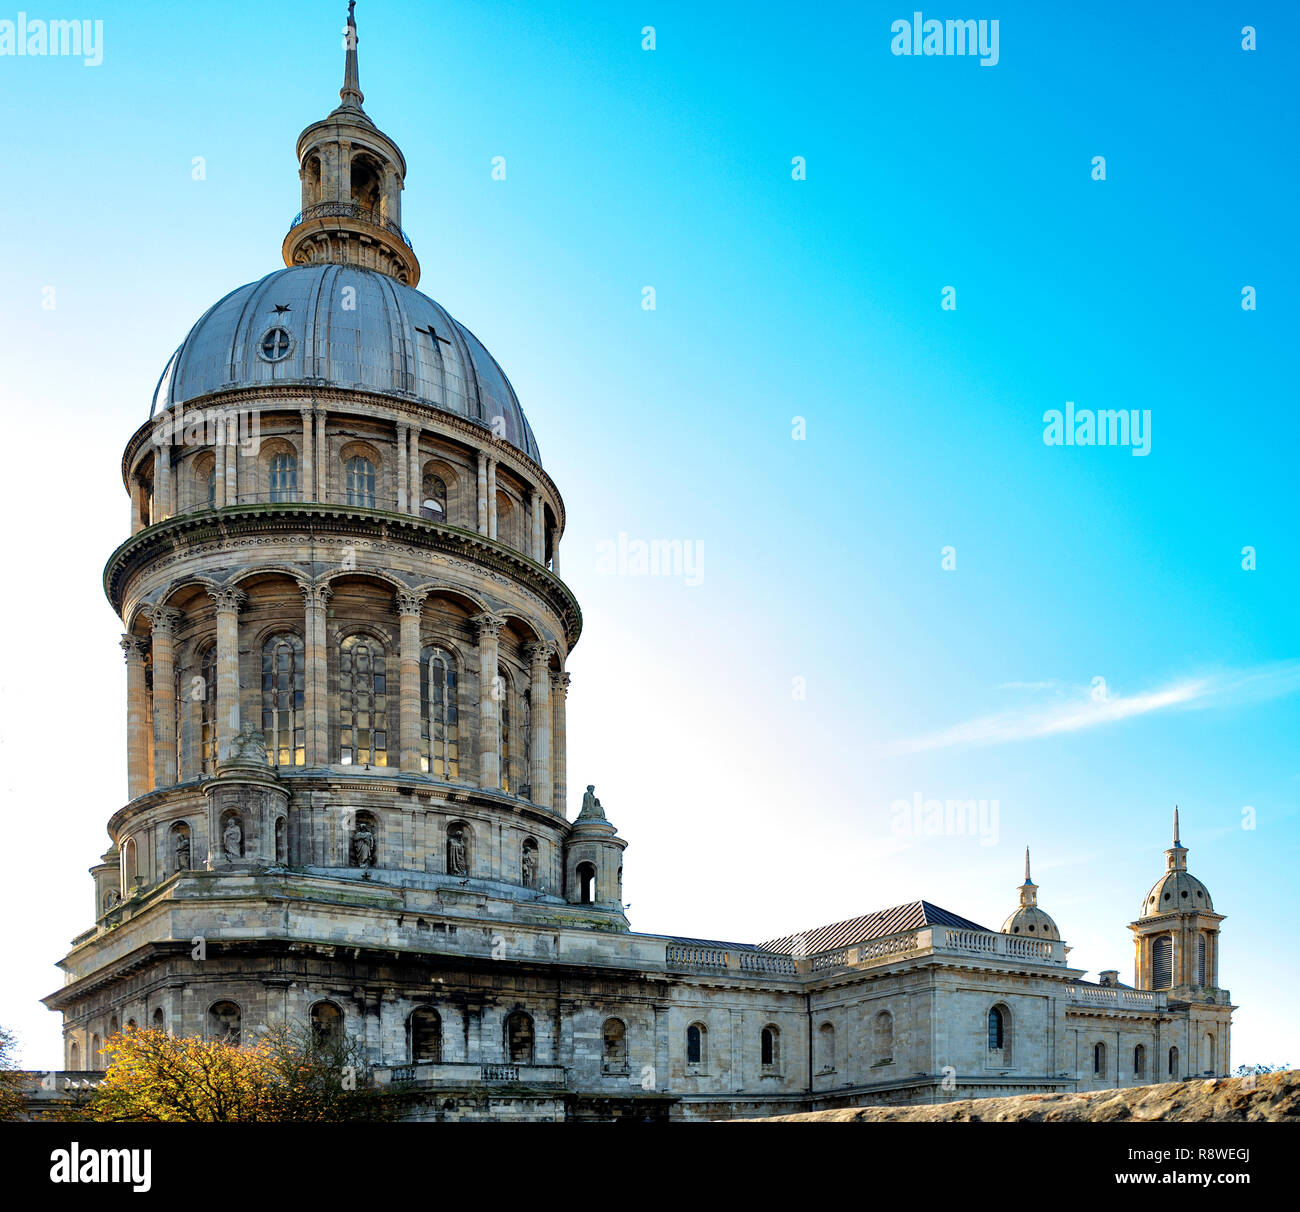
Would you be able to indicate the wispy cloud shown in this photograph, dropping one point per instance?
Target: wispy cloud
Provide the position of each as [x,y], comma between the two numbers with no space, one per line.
[1084,707]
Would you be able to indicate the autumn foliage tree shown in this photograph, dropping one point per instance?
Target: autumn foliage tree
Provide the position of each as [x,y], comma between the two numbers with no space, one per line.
[288,1074]
[11,1094]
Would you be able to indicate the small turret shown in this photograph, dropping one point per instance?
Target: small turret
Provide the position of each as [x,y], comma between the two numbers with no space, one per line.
[1029,919]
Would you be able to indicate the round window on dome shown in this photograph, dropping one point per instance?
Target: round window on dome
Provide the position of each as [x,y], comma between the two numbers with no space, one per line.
[276,344]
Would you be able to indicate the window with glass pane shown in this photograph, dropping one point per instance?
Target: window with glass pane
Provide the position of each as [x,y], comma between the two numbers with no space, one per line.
[526,735]
[363,703]
[208,710]
[283,714]
[284,477]
[212,489]
[503,727]
[439,728]
[361,482]
[433,502]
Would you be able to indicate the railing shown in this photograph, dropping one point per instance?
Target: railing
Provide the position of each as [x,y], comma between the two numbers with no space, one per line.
[884,948]
[461,1073]
[349,210]
[688,955]
[775,965]
[1120,999]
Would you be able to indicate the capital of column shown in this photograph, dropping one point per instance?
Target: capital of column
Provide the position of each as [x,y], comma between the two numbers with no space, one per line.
[163,620]
[133,648]
[488,625]
[228,597]
[560,682]
[410,603]
[540,652]
[315,595]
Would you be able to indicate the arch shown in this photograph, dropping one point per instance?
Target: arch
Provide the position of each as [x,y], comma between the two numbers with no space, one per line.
[826,1048]
[503,691]
[439,714]
[232,835]
[363,846]
[586,875]
[1162,962]
[613,1054]
[509,515]
[225,1022]
[1173,1062]
[277,460]
[366,182]
[363,701]
[159,1019]
[1140,1061]
[207,688]
[882,1038]
[424,1036]
[520,1039]
[113,1027]
[433,498]
[1099,1059]
[130,865]
[96,1058]
[284,717]
[697,1046]
[178,847]
[999,1033]
[311,180]
[463,597]
[770,1047]
[326,1024]
[529,862]
[362,468]
[281,840]
[74,1056]
[1209,1053]
[460,848]
[203,482]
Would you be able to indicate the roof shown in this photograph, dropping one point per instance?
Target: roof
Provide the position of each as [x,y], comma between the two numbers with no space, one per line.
[910,916]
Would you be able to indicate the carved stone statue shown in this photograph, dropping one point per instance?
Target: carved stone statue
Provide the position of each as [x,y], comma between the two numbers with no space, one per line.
[363,846]
[249,747]
[529,866]
[232,839]
[111,898]
[457,860]
[591,808]
[182,850]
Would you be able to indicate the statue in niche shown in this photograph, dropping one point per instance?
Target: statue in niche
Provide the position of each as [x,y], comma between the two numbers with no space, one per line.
[232,839]
[111,898]
[363,845]
[457,858]
[182,850]
[249,746]
[281,851]
[529,866]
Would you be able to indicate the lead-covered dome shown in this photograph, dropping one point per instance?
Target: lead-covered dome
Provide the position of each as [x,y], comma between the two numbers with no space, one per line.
[1177,892]
[344,326]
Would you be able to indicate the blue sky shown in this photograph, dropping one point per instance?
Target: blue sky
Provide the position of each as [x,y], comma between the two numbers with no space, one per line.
[752,812]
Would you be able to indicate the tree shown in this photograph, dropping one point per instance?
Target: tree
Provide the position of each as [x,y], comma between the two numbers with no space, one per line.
[289,1074]
[12,1101]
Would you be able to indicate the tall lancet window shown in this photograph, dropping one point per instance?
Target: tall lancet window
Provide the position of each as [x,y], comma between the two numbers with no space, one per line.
[284,477]
[526,738]
[283,713]
[433,503]
[363,702]
[206,692]
[1162,962]
[439,725]
[502,692]
[1200,959]
[361,482]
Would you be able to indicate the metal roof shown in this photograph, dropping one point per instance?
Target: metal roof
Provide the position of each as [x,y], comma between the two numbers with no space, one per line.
[911,916]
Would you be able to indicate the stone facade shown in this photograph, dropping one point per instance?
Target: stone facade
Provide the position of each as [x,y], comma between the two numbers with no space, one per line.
[346,637]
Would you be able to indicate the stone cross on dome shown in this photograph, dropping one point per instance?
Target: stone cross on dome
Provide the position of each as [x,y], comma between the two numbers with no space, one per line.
[350,94]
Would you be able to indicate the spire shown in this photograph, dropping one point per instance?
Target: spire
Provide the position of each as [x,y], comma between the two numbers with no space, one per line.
[1176,855]
[1028,890]
[1176,841]
[1027,879]
[350,94]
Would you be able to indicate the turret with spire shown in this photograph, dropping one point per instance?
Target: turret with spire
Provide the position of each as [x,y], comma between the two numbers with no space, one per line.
[1029,919]
[352,178]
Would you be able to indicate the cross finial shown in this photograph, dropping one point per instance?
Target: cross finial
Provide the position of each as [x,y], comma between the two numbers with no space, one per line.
[350,94]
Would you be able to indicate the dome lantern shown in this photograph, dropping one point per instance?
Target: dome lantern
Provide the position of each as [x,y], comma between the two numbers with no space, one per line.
[1029,920]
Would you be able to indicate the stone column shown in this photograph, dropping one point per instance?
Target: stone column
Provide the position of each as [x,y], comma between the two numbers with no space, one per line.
[322,459]
[403,467]
[555,551]
[228,603]
[539,774]
[316,674]
[162,483]
[163,621]
[559,698]
[408,608]
[492,498]
[219,475]
[414,477]
[482,493]
[538,542]
[137,731]
[489,731]
[231,439]
[307,485]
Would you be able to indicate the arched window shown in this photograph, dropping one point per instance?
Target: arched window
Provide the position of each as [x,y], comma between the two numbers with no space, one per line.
[131,1024]
[614,1047]
[361,482]
[129,870]
[96,1057]
[999,1035]
[459,840]
[281,841]
[206,692]
[882,1038]
[1140,1061]
[1162,962]
[526,736]
[74,1056]
[282,476]
[770,1048]
[433,503]
[363,702]
[283,715]
[697,1045]
[1099,1060]
[113,1028]
[424,1036]
[159,1020]
[439,715]
[1209,1059]
[225,1022]
[502,692]
[586,873]
[519,1038]
[327,1025]
[826,1048]
[178,847]
[211,486]
[529,861]
[1200,959]
[1173,1062]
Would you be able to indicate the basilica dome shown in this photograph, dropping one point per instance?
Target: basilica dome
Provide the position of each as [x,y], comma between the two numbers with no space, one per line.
[344,326]
[1177,891]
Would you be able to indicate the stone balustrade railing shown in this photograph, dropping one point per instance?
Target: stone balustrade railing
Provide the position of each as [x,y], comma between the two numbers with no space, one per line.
[453,1073]
[1120,999]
